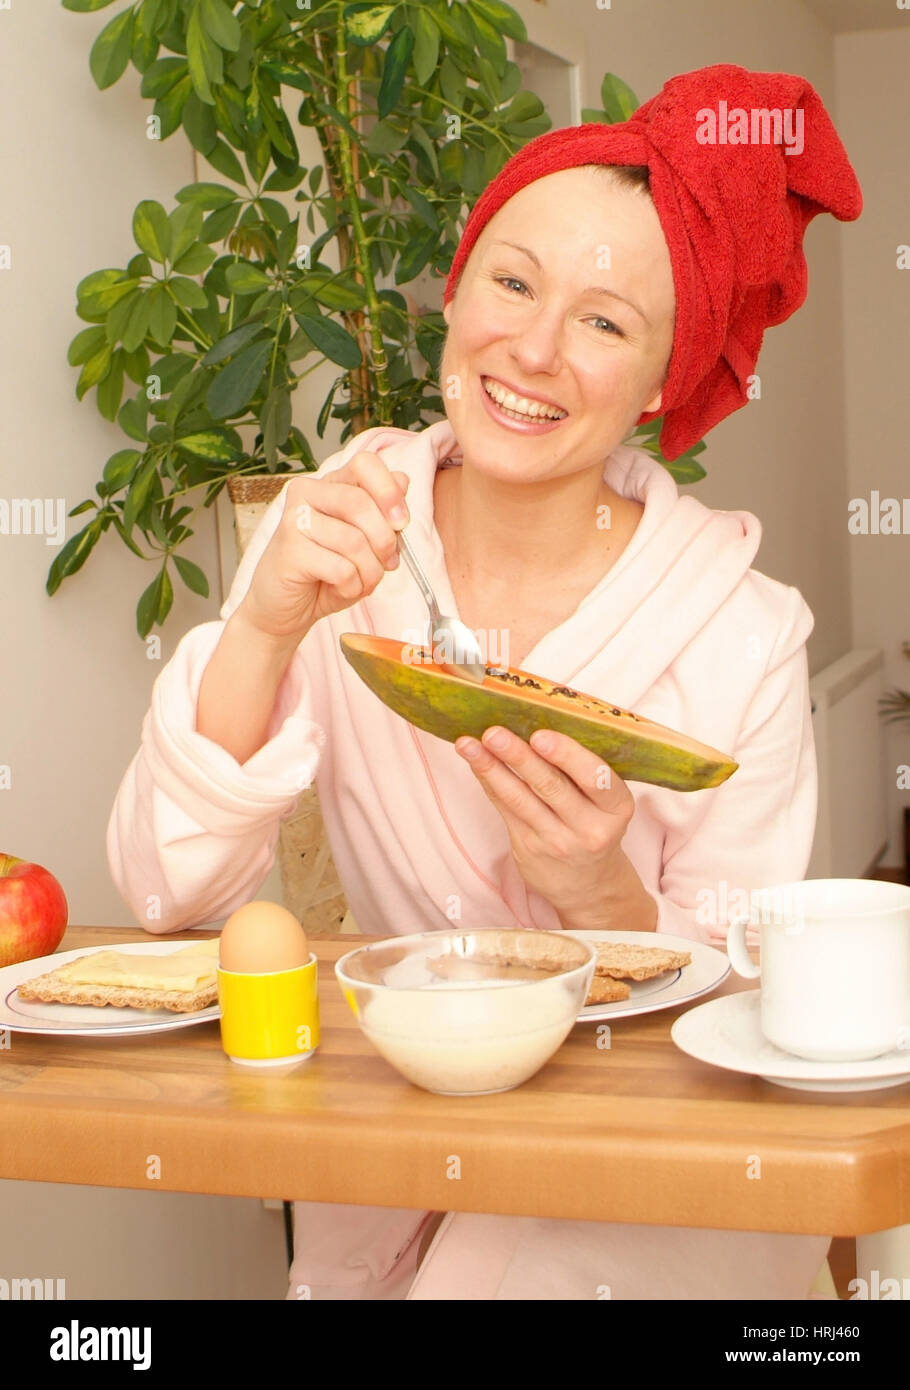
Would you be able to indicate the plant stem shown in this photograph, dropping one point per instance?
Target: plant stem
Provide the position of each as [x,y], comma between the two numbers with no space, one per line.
[352,202]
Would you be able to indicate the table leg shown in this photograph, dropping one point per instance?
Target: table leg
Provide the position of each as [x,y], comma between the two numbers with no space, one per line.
[884,1255]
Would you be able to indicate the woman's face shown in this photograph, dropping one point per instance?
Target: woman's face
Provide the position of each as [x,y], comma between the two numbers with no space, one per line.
[541,329]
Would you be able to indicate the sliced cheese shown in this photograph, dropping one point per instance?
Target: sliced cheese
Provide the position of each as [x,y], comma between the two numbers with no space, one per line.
[189,969]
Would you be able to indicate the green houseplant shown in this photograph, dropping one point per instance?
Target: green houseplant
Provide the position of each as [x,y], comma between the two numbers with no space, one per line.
[416,107]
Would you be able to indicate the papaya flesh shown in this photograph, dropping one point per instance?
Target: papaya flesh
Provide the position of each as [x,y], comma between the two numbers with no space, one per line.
[410,682]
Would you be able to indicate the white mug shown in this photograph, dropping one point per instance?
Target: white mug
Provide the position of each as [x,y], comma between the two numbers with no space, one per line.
[835,966]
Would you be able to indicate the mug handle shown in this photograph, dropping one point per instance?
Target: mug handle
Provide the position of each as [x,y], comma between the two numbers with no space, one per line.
[737,950]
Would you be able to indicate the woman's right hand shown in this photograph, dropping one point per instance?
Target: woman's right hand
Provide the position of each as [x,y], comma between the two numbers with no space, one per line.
[336,538]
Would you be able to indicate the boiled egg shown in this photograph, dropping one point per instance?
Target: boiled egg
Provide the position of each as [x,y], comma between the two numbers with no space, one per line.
[261,938]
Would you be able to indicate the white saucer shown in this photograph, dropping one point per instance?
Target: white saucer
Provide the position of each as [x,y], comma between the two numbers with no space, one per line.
[727,1033]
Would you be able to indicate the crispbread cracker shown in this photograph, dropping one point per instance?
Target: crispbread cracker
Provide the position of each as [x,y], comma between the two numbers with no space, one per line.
[605,990]
[54,989]
[626,962]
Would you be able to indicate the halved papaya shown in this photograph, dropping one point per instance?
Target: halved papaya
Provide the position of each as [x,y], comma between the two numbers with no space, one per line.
[411,683]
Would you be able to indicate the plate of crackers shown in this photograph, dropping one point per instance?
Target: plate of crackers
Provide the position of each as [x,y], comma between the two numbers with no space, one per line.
[87,992]
[634,978]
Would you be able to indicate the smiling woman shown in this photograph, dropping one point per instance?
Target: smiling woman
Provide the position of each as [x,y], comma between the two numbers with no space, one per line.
[576,306]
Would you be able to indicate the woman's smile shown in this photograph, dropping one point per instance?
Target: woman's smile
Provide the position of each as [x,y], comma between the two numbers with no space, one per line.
[522,421]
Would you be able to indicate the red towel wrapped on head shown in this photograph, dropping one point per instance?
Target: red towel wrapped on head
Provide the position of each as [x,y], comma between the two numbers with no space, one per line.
[740,162]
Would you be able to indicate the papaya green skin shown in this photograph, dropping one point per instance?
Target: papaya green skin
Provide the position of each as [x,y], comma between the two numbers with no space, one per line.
[449,707]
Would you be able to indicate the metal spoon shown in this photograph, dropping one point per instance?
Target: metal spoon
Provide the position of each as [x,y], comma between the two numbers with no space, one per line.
[453,635]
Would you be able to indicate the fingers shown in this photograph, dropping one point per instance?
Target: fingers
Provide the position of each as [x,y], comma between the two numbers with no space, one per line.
[387,489]
[338,554]
[570,781]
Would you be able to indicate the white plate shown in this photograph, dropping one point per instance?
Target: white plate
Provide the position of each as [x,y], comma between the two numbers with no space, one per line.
[708,968]
[87,1021]
[727,1033]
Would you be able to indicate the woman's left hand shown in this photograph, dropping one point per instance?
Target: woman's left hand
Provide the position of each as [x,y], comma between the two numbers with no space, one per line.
[566,812]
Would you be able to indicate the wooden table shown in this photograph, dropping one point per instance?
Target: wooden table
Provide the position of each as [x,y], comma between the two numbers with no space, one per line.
[637,1133]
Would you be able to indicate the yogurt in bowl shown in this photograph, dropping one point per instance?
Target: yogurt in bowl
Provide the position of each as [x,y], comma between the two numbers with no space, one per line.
[468,1013]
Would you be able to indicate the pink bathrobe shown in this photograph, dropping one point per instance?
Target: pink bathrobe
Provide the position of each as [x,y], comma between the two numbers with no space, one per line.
[681,630]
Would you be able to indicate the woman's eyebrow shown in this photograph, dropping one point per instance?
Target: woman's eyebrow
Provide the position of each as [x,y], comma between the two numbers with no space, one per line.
[591,289]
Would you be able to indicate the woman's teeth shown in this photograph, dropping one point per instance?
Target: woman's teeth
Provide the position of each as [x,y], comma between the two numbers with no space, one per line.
[519,406]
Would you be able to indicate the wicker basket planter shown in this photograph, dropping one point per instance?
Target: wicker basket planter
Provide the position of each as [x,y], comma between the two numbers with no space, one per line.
[309,880]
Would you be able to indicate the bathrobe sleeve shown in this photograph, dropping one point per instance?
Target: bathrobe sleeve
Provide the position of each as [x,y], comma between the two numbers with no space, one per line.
[192,833]
[759,826]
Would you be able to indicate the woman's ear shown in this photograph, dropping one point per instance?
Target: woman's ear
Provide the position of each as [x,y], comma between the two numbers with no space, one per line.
[447,309]
[654,403]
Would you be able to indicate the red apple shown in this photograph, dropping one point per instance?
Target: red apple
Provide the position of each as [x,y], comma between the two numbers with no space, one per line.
[33,911]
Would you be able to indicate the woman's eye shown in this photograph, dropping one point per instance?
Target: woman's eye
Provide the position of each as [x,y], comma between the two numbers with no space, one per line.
[511,280]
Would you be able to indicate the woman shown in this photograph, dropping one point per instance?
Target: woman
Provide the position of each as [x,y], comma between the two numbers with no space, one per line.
[600,296]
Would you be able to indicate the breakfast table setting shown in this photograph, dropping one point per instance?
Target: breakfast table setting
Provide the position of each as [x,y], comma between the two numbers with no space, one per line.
[659,1107]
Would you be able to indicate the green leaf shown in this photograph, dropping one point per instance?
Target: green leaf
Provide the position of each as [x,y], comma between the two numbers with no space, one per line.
[110,389]
[288,76]
[100,291]
[139,491]
[333,341]
[426,44]
[160,76]
[137,326]
[276,422]
[335,294]
[132,418]
[489,39]
[169,108]
[619,101]
[94,369]
[119,316]
[422,206]
[136,365]
[187,293]
[85,345]
[139,265]
[86,6]
[397,57]
[221,23]
[198,46]
[246,278]
[198,258]
[210,444]
[523,107]
[87,506]
[415,256]
[419,135]
[207,195]
[326,407]
[111,50]
[155,602]
[152,231]
[192,575]
[223,158]
[366,23]
[120,468]
[236,384]
[162,315]
[502,17]
[218,223]
[73,555]
[199,124]
[385,138]
[226,347]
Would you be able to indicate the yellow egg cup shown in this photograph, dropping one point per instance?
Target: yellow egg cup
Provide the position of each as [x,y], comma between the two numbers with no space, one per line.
[269,1020]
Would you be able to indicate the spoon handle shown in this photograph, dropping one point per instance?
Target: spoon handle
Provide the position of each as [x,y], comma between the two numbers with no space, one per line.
[423,583]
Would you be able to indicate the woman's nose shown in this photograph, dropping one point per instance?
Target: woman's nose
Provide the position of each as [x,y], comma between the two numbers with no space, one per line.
[539,345]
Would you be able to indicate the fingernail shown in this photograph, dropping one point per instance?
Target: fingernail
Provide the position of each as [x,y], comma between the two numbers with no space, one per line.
[469,747]
[499,739]
[399,516]
[543,741]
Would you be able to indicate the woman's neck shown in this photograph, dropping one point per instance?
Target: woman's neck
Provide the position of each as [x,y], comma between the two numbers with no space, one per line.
[505,535]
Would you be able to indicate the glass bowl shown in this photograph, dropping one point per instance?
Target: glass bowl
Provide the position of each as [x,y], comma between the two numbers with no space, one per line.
[468,1013]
